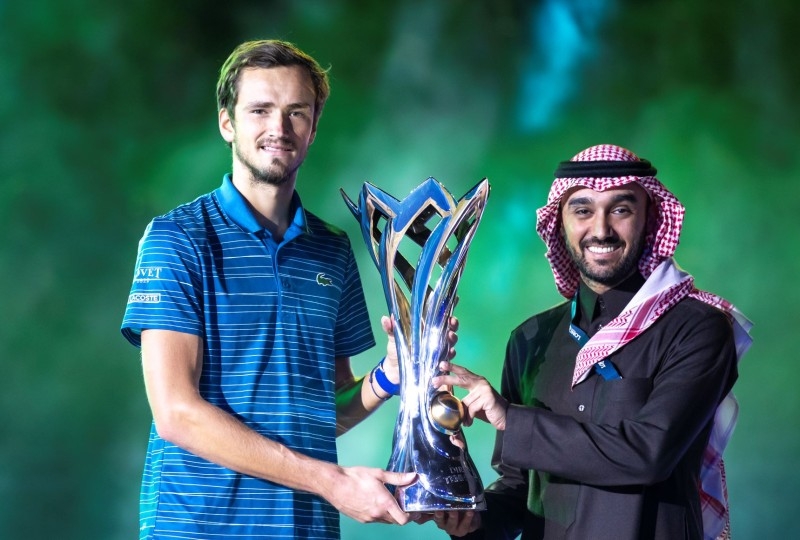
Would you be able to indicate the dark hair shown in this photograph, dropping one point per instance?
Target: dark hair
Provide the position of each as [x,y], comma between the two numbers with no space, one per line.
[268,53]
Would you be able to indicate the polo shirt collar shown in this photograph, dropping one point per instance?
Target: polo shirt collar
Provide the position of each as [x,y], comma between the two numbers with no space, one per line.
[239,211]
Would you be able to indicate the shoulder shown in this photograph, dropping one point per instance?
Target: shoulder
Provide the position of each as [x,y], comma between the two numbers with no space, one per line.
[323,232]
[193,213]
[695,316]
[322,227]
[192,219]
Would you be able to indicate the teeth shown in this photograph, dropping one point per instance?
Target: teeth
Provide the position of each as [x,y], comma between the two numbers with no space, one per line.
[273,147]
[600,250]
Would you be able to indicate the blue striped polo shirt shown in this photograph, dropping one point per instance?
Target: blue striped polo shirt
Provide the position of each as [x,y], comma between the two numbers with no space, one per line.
[273,316]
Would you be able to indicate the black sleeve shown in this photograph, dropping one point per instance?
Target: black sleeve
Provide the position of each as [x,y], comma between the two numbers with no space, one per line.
[696,372]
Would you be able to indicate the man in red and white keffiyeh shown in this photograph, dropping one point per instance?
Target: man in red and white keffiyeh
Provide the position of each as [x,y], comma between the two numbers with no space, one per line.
[616,405]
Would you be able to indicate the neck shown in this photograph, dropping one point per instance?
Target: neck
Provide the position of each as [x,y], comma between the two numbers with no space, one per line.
[271,203]
[599,288]
[602,288]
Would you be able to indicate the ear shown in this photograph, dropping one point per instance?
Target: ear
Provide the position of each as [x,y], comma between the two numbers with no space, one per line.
[226,127]
[313,134]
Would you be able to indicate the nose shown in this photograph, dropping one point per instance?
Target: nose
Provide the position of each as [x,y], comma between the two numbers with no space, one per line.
[601,226]
[278,124]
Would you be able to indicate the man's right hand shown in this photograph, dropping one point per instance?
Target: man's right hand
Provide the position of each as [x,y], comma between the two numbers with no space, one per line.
[482,401]
[455,523]
[361,493]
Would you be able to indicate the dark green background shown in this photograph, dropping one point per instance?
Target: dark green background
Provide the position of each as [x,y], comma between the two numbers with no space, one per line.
[108,118]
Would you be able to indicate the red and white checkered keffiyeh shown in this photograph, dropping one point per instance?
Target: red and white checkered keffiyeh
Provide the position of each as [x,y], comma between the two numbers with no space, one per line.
[665,286]
[660,245]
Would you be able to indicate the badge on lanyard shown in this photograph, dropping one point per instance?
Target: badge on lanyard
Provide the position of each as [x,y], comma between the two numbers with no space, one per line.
[605,368]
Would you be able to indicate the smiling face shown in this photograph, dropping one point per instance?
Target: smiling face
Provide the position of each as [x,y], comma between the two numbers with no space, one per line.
[273,124]
[604,233]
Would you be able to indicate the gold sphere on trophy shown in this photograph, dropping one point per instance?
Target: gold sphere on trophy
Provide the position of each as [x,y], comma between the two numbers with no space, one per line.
[447,412]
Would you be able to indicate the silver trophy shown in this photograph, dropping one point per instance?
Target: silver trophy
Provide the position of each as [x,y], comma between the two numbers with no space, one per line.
[421,298]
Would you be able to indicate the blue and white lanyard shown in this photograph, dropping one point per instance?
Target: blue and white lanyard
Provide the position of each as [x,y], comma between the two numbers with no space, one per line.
[605,368]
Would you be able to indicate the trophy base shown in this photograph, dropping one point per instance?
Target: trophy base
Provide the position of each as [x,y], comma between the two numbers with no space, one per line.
[415,498]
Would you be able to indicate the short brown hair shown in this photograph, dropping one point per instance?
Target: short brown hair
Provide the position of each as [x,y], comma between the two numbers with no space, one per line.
[268,53]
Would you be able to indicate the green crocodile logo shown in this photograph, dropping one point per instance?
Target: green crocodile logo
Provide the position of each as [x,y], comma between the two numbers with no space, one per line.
[324,280]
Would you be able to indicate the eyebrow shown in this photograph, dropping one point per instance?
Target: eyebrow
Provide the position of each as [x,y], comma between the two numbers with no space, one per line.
[270,104]
[622,197]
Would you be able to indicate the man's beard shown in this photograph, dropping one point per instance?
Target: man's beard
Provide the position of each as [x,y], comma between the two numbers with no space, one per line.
[273,175]
[610,275]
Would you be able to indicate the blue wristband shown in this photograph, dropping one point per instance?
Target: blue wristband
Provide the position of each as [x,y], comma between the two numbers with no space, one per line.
[383,381]
[371,378]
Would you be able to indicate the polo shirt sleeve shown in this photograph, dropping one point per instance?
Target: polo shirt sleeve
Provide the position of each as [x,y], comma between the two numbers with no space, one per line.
[353,329]
[167,287]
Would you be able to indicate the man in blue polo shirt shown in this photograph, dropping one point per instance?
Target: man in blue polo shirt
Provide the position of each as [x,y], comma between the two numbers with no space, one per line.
[247,308]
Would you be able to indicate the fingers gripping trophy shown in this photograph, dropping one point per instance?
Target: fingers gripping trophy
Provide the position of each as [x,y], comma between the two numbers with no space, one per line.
[421,298]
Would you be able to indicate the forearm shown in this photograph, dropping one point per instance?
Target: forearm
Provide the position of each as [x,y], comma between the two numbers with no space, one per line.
[358,492]
[358,398]
[356,401]
[211,433]
[643,450]
[172,363]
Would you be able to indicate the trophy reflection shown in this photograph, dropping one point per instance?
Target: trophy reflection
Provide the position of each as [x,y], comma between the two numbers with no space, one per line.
[437,230]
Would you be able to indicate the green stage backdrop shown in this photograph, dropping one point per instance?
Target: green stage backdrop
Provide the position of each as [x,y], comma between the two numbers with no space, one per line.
[108,118]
